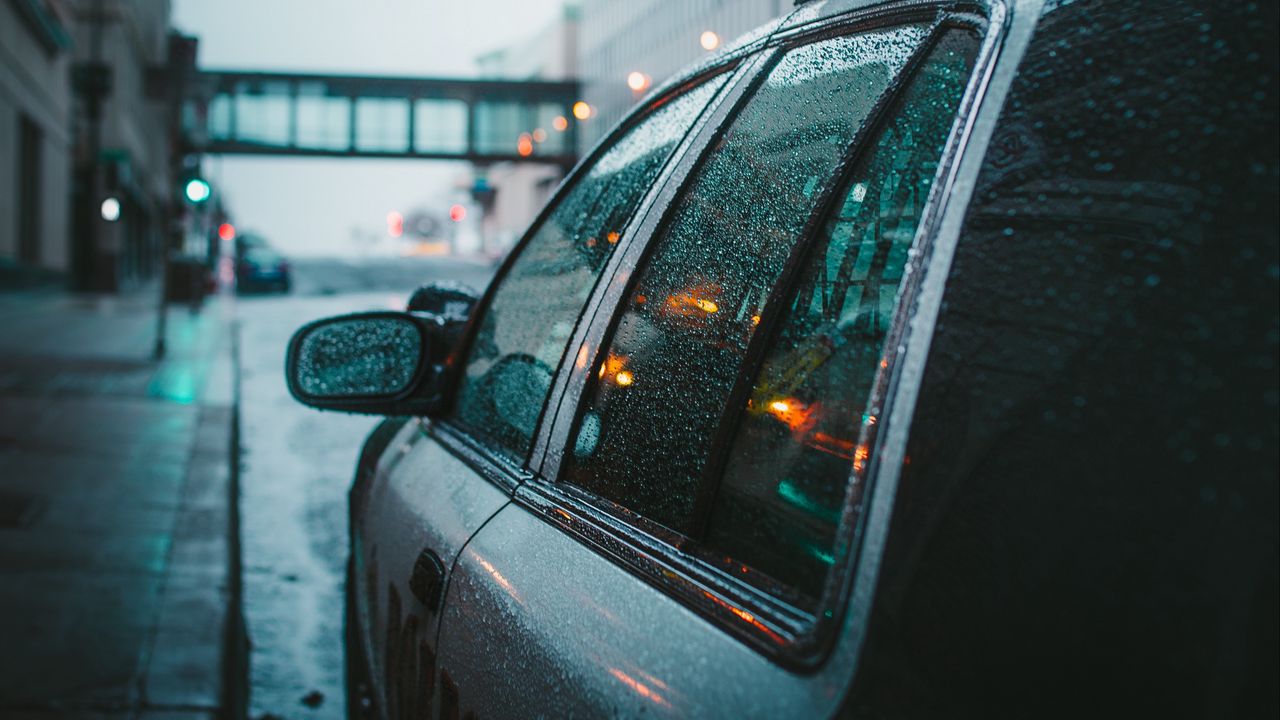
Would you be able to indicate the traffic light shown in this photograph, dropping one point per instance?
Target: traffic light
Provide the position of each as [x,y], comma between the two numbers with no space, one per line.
[196,190]
[395,224]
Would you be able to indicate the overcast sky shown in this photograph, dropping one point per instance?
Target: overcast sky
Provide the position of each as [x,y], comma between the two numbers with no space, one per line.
[308,206]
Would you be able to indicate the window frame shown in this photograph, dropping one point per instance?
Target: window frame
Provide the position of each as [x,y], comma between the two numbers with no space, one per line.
[795,639]
[487,461]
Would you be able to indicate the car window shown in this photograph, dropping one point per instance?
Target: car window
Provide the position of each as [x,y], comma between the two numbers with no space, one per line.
[797,440]
[658,391]
[528,323]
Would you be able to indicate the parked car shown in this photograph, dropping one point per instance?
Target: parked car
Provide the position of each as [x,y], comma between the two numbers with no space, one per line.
[906,359]
[260,268]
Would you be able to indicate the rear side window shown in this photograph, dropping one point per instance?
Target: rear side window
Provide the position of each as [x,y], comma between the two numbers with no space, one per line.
[1086,522]
[803,431]
[661,386]
[528,323]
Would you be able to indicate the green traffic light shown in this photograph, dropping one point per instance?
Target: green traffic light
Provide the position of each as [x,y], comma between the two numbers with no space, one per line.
[197,190]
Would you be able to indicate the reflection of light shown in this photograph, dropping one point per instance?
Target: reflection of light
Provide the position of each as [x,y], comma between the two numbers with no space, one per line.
[755,319]
[110,209]
[457,213]
[860,457]
[581,110]
[612,238]
[637,81]
[525,145]
[790,411]
[831,445]
[539,135]
[709,40]
[746,617]
[582,356]
[498,578]
[560,123]
[615,365]
[638,687]
[682,302]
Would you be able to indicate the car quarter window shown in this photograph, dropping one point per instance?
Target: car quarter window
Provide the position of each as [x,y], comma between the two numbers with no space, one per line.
[802,434]
[527,324]
[659,388]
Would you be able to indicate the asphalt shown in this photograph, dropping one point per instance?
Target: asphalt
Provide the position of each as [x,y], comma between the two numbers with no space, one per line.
[116,526]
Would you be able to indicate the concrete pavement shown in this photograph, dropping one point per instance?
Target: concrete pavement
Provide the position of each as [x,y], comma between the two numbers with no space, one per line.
[117,572]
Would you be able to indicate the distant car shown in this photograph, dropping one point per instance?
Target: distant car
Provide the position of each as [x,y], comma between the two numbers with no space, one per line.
[907,360]
[260,268]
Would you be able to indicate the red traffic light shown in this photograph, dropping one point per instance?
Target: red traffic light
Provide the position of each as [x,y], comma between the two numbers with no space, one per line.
[227,231]
[395,224]
[457,213]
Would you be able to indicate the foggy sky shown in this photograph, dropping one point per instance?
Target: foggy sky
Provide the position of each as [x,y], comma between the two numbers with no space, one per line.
[308,206]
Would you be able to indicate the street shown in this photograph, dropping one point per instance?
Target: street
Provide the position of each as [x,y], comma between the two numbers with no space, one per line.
[297,465]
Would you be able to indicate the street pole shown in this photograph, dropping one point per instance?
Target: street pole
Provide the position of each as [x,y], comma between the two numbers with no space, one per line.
[93,82]
[180,58]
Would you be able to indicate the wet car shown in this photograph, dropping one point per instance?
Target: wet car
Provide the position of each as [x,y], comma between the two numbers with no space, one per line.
[261,268]
[906,359]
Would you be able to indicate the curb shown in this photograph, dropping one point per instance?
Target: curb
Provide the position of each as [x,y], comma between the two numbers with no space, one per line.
[235,652]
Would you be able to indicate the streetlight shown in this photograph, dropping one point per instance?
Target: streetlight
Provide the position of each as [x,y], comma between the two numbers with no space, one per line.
[638,81]
[709,40]
[110,209]
[581,110]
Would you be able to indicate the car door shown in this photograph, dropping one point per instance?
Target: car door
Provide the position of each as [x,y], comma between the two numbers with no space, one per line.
[441,480]
[682,550]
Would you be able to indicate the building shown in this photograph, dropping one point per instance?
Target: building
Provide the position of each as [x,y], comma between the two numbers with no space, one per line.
[512,194]
[35,134]
[84,118]
[655,39]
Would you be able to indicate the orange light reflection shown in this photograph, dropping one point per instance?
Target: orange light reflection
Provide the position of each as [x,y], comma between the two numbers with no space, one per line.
[746,617]
[639,688]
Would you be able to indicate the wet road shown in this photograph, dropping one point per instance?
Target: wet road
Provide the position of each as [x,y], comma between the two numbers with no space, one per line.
[296,468]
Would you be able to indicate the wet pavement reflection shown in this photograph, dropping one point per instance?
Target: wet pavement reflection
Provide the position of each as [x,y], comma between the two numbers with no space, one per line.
[297,466]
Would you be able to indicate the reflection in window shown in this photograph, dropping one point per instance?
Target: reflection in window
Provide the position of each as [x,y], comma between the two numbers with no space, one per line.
[788,469]
[528,323]
[660,389]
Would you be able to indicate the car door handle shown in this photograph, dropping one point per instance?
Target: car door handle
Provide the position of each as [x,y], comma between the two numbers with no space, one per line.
[427,581]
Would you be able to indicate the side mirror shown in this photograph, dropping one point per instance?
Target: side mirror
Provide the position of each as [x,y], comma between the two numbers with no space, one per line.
[377,363]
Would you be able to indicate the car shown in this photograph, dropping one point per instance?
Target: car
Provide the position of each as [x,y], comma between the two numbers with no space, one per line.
[261,268]
[903,360]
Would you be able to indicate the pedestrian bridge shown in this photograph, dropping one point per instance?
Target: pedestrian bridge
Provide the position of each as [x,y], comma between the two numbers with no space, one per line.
[478,121]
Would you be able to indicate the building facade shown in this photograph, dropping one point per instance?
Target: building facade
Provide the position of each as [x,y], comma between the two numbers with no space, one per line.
[84,118]
[654,38]
[35,134]
[511,194]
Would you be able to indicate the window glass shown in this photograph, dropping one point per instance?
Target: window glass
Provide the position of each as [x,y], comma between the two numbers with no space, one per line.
[1091,493]
[661,387]
[529,321]
[797,440]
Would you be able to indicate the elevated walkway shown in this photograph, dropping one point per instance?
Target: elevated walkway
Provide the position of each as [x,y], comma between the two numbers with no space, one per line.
[478,121]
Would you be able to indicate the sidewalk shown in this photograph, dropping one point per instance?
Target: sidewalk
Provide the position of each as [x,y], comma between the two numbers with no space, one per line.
[117,563]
